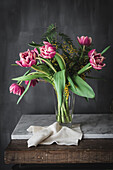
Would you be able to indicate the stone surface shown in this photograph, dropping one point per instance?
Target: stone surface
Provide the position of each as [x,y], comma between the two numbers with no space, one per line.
[92,125]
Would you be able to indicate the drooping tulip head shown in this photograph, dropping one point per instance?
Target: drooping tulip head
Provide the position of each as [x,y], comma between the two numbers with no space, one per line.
[16,89]
[96,59]
[33,82]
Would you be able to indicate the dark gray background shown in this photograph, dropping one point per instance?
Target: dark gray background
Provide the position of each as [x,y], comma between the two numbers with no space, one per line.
[22,21]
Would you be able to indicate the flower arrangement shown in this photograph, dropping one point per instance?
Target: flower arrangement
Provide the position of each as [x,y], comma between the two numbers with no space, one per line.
[58,61]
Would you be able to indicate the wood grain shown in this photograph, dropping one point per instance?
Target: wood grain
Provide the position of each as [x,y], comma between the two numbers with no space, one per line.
[88,151]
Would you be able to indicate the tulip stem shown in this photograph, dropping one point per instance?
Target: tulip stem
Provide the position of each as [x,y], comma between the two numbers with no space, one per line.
[20,83]
[83,49]
[48,40]
[49,64]
[88,68]
[39,70]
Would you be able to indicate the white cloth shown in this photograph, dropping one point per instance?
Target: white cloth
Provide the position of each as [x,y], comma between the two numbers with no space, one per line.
[61,135]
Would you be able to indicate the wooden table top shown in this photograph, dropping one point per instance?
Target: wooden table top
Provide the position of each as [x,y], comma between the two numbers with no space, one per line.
[88,151]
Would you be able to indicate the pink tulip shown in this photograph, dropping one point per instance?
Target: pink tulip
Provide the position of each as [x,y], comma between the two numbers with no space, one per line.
[96,59]
[36,51]
[27,58]
[85,40]
[16,89]
[33,82]
[47,51]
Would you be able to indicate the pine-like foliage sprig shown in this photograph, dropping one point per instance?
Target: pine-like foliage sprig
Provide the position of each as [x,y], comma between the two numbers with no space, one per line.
[50,34]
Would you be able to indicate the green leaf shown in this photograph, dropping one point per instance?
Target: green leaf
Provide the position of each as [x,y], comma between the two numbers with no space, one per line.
[48,40]
[60,80]
[60,61]
[29,77]
[25,91]
[105,50]
[79,44]
[14,65]
[48,63]
[48,80]
[38,49]
[26,73]
[50,34]
[72,85]
[42,67]
[87,99]
[80,87]
[34,45]
[85,68]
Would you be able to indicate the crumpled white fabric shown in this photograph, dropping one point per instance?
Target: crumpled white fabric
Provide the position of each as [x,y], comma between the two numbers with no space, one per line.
[61,135]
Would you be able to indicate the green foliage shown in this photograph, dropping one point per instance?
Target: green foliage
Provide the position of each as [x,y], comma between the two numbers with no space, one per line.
[80,87]
[60,80]
[26,73]
[48,63]
[105,50]
[42,68]
[25,91]
[35,45]
[50,34]
[65,67]
[60,61]
[14,65]
[49,80]
[85,68]
[29,77]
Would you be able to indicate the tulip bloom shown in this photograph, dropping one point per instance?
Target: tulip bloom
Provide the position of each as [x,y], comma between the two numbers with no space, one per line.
[84,40]
[96,59]
[27,58]
[33,82]
[47,51]
[36,51]
[16,89]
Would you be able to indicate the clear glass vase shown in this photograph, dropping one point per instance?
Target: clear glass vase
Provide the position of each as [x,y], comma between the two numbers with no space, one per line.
[64,112]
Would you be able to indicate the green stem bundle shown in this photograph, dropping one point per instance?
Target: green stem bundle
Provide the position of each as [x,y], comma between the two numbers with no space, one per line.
[63,114]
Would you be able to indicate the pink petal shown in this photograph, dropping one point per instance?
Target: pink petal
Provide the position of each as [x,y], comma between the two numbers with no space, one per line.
[46,43]
[90,53]
[86,41]
[19,63]
[32,62]
[78,39]
[82,40]
[35,50]
[52,54]
[24,64]
[90,39]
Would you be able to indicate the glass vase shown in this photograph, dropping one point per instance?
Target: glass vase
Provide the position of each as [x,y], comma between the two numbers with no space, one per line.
[64,112]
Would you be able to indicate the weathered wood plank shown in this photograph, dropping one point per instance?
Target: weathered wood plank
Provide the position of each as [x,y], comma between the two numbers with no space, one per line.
[88,151]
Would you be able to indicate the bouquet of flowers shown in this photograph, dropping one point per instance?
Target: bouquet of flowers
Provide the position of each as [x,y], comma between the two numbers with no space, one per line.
[58,61]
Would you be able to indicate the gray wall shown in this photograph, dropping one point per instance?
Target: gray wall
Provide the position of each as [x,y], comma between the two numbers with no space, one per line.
[22,21]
